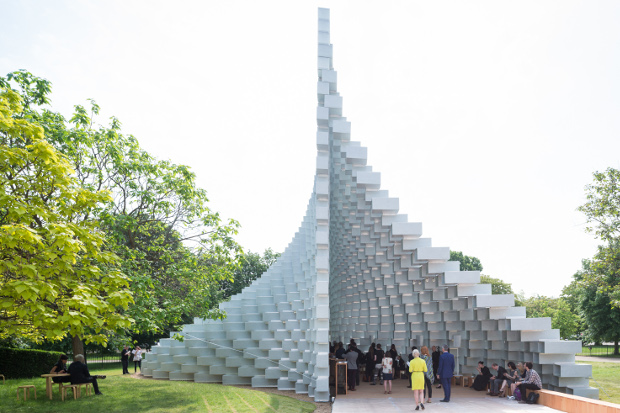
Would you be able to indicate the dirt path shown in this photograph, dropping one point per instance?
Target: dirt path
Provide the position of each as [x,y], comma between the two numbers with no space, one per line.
[598,359]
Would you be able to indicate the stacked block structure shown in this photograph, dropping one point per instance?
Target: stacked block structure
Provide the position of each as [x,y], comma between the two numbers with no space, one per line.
[358,269]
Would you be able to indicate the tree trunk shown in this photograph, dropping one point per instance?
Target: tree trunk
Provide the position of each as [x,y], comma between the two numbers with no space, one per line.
[78,346]
[616,352]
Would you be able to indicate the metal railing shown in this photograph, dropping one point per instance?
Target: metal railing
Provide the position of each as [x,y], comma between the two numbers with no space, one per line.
[601,351]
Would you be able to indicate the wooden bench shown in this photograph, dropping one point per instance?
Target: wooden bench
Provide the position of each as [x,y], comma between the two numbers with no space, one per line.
[27,387]
[574,404]
[77,390]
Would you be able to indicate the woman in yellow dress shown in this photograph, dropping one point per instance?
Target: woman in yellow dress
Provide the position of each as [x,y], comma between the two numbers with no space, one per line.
[417,368]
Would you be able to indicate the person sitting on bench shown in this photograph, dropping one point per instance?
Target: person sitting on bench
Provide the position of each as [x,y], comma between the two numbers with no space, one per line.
[80,374]
[59,368]
[531,381]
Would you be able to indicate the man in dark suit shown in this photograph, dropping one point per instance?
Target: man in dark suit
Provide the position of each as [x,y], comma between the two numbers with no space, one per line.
[80,374]
[125,359]
[445,372]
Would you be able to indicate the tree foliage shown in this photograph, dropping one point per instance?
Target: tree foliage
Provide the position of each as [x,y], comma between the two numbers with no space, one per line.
[467,263]
[558,309]
[252,267]
[602,208]
[56,277]
[598,283]
[173,248]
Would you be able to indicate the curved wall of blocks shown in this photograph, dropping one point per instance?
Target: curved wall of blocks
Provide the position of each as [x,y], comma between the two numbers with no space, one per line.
[358,269]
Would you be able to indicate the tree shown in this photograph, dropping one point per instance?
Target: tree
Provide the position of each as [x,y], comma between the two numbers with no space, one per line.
[599,281]
[602,208]
[56,276]
[173,248]
[252,267]
[467,263]
[562,318]
[571,294]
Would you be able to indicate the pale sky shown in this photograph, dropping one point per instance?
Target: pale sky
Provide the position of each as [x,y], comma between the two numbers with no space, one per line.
[486,118]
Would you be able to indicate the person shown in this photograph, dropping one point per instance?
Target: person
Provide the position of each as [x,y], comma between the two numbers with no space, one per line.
[498,379]
[360,359]
[80,374]
[351,357]
[399,365]
[370,363]
[60,368]
[482,379]
[379,354]
[387,365]
[125,359]
[137,359]
[509,377]
[519,374]
[531,381]
[340,350]
[445,370]
[435,356]
[417,368]
[410,357]
[393,354]
[429,377]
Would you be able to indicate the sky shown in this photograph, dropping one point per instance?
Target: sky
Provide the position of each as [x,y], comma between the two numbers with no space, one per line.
[485,118]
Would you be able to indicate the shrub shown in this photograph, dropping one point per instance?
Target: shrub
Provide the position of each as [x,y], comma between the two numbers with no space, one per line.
[24,363]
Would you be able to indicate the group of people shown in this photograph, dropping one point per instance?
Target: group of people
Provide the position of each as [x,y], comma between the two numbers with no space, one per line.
[521,376]
[135,354]
[422,368]
[78,372]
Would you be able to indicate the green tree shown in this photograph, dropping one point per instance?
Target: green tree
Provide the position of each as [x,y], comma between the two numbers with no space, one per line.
[56,276]
[571,294]
[173,248]
[602,208]
[562,318]
[599,280]
[252,267]
[467,263]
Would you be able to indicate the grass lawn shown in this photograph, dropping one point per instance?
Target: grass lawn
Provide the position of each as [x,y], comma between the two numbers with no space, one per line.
[126,394]
[606,379]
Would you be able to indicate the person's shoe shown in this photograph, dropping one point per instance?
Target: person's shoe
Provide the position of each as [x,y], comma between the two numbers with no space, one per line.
[417,407]
[438,387]
[422,406]
[99,393]
[408,387]
[444,401]
[428,401]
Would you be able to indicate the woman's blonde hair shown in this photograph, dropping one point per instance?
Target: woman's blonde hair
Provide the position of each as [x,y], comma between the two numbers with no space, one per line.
[520,366]
[424,351]
[416,353]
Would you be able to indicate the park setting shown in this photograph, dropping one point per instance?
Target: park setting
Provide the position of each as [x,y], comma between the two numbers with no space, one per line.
[160,253]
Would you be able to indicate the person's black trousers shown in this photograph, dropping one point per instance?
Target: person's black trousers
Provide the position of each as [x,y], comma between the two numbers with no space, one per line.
[428,385]
[524,386]
[137,364]
[351,373]
[125,366]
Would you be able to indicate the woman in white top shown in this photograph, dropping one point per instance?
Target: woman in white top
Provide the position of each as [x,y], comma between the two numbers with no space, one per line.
[388,371]
[137,359]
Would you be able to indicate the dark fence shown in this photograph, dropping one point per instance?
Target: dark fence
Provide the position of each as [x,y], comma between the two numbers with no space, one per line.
[603,350]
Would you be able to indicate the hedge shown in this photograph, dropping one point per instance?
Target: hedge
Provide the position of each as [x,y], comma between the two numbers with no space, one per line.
[24,363]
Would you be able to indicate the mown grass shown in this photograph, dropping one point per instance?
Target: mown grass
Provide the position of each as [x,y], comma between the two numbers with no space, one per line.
[606,378]
[126,394]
